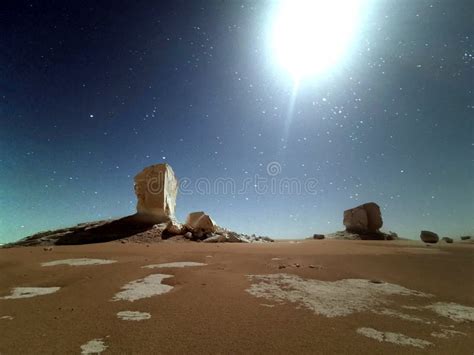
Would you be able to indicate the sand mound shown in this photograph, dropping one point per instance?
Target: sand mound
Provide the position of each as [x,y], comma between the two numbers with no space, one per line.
[328,298]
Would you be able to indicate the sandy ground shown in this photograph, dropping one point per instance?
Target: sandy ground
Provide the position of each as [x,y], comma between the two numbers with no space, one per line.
[209,309]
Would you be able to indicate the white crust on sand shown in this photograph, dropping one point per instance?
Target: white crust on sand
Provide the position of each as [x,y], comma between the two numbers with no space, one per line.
[394,338]
[143,288]
[133,315]
[453,311]
[174,265]
[327,298]
[94,346]
[446,333]
[28,292]
[78,262]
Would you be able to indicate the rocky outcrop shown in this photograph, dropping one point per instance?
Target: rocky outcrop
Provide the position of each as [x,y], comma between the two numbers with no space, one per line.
[429,237]
[156,188]
[365,218]
[465,237]
[447,240]
[318,236]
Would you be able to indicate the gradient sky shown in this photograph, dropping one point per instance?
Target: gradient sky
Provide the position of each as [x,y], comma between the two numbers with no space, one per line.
[94,91]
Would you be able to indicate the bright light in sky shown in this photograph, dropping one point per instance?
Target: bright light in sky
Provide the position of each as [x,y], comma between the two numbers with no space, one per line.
[309,36]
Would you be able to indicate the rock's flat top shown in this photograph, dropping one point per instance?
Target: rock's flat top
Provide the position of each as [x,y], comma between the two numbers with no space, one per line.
[291,315]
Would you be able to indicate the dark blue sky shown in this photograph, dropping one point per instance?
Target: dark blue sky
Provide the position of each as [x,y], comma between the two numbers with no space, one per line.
[93,91]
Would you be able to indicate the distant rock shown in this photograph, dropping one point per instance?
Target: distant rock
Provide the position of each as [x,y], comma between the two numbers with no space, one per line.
[363,219]
[465,237]
[318,236]
[156,188]
[447,240]
[429,237]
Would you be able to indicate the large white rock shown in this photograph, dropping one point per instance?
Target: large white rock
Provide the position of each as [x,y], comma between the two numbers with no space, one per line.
[200,222]
[156,188]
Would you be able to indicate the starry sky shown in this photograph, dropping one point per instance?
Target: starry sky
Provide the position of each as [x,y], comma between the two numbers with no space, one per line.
[91,92]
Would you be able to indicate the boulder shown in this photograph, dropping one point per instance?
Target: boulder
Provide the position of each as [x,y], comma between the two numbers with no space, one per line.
[365,218]
[173,227]
[429,237]
[200,222]
[156,188]
[447,240]
[318,236]
[465,237]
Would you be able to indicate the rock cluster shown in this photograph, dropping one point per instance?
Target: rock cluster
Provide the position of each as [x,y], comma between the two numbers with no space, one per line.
[200,227]
[156,188]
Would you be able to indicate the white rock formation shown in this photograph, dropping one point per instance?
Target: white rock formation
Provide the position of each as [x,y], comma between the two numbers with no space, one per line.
[200,222]
[156,188]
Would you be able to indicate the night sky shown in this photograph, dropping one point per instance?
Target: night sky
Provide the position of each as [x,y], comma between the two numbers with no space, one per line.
[94,91]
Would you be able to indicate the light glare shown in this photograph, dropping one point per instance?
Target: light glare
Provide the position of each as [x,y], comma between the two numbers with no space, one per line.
[311,35]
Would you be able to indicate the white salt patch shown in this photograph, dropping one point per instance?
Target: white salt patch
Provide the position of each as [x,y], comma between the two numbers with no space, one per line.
[95,346]
[175,264]
[27,292]
[453,311]
[276,259]
[267,305]
[394,338]
[79,262]
[446,333]
[209,256]
[6,317]
[328,298]
[412,307]
[396,314]
[132,315]
[143,288]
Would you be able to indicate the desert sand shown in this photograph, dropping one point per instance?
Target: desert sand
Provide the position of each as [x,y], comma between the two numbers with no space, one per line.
[311,296]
